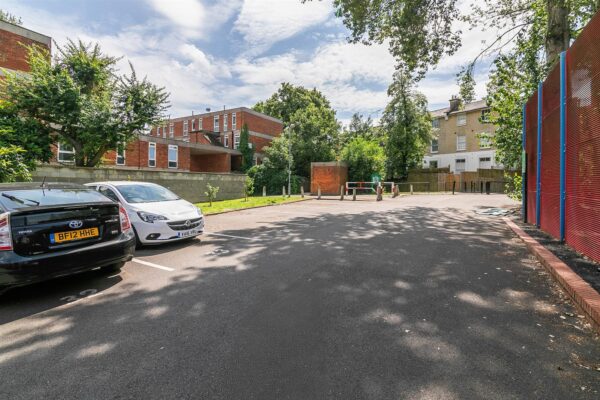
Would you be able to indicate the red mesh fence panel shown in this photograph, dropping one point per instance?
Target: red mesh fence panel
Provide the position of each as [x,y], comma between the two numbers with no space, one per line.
[531,124]
[582,228]
[550,166]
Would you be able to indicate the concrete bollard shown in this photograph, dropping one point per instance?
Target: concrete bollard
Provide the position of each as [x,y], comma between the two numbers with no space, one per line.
[354,194]
[342,192]
[319,193]
[283,191]
[264,191]
[302,191]
[411,189]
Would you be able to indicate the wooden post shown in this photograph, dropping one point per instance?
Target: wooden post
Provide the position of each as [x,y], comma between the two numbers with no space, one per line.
[264,191]
[379,193]
[396,191]
[283,191]
[354,194]
[319,193]
[302,191]
[453,186]
[342,192]
[411,189]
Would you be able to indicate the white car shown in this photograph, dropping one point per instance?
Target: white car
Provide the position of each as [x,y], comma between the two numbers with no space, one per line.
[157,214]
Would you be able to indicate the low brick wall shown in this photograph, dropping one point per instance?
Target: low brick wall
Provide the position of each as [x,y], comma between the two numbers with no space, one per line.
[188,185]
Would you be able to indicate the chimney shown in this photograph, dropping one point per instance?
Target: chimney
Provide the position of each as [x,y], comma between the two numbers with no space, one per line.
[454,104]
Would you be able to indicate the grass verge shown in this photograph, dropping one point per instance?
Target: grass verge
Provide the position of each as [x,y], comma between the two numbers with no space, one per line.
[240,204]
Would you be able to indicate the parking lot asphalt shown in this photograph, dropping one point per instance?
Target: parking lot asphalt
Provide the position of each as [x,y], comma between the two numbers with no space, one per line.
[416,297]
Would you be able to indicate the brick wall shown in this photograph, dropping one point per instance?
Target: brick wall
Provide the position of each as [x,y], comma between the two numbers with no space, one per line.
[329,176]
[13,54]
[210,163]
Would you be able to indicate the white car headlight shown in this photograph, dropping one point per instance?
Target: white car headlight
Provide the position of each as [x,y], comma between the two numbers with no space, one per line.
[149,217]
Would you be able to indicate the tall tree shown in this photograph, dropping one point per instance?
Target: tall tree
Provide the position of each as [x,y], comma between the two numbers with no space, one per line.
[408,125]
[245,149]
[313,126]
[365,157]
[11,18]
[81,100]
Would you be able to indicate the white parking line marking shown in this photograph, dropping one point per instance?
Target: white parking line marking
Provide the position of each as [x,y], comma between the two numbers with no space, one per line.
[231,236]
[149,264]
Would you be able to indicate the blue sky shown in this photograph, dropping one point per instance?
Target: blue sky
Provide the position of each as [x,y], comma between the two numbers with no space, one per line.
[215,53]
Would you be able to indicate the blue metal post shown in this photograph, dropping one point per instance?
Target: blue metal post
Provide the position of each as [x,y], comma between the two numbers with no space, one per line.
[524,168]
[538,193]
[563,140]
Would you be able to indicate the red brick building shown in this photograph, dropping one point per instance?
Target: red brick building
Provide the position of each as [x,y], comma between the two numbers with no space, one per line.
[13,54]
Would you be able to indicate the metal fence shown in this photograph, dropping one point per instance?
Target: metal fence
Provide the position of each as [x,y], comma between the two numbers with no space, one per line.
[561,143]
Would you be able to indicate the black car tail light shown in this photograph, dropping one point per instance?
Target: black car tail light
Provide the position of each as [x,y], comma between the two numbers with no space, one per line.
[5,237]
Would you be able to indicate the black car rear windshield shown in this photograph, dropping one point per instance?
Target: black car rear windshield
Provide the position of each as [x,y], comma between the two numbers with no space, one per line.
[15,199]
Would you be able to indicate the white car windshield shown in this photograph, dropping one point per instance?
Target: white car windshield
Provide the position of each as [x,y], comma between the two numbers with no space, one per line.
[146,193]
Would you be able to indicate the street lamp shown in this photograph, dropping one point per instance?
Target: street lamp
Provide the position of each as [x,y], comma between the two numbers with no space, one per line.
[289,129]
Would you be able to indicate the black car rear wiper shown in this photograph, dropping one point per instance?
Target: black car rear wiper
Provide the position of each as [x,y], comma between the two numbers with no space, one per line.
[18,200]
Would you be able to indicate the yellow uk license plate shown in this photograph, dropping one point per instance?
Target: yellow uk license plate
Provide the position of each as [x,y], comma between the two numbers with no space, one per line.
[60,237]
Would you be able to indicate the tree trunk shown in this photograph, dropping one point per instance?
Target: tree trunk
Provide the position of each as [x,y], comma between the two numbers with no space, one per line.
[558,33]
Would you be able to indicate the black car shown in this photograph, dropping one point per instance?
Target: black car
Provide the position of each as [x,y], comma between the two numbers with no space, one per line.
[52,230]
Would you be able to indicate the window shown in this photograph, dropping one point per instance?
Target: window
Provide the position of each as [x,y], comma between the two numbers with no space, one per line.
[461,143]
[433,164]
[216,124]
[485,142]
[460,164]
[435,123]
[171,130]
[485,162]
[108,193]
[434,146]
[236,140]
[172,156]
[164,131]
[193,125]
[151,154]
[185,127]
[120,155]
[461,119]
[233,121]
[226,140]
[199,123]
[485,116]
[225,122]
[66,153]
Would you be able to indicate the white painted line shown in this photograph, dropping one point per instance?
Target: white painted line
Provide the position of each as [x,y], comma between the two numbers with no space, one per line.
[230,236]
[149,264]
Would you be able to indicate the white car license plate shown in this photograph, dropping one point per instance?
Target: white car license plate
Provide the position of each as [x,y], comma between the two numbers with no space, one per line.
[191,232]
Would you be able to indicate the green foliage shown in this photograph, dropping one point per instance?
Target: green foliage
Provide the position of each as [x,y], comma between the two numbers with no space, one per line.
[248,187]
[211,192]
[25,133]
[273,179]
[513,185]
[10,18]
[245,149]
[361,127]
[466,84]
[312,121]
[408,124]
[12,164]
[365,157]
[80,99]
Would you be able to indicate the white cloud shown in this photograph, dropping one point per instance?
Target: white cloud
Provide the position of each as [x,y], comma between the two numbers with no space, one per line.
[265,22]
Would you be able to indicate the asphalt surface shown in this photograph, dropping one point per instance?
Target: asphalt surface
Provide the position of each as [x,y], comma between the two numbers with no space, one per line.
[411,298]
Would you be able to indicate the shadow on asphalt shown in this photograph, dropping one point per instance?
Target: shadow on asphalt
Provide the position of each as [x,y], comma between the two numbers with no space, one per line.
[411,303]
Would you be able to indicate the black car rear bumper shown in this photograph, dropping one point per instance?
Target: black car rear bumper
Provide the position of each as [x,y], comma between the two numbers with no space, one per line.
[16,270]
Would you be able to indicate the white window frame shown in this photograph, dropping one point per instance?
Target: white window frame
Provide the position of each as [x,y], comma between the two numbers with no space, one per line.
[463,161]
[169,161]
[123,156]
[171,130]
[437,141]
[225,125]
[200,123]
[236,140]
[435,123]
[226,140]
[233,121]
[164,131]
[485,116]
[216,123]
[436,164]
[193,124]
[485,142]
[185,128]
[461,145]
[461,119]
[61,151]
[152,145]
